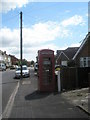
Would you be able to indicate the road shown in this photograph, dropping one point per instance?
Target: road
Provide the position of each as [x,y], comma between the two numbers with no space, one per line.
[8,86]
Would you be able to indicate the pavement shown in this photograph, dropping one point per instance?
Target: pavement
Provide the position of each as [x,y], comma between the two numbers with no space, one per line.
[80,98]
[30,103]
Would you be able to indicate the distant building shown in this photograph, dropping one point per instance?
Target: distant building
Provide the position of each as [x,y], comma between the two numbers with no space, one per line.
[1,56]
[14,60]
[4,58]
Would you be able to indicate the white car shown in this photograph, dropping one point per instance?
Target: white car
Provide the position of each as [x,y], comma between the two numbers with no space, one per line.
[36,67]
[25,72]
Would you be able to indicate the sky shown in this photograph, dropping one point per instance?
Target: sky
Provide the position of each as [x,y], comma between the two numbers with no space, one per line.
[46,25]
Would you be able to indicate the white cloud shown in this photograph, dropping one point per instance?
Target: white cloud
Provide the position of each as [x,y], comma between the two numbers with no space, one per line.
[32,52]
[43,32]
[67,11]
[75,20]
[71,45]
[75,45]
[87,15]
[33,38]
[38,36]
[9,37]
[38,33]
[7,5]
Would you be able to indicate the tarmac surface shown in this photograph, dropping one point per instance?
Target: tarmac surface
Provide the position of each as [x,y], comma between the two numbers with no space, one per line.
[30,103]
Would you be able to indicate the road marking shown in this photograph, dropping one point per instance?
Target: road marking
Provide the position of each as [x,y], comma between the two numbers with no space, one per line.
[26,82]
[9,106]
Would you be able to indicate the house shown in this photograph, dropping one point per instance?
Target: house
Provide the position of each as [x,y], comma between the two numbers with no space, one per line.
[7,59]
[82,56]
[14,60]
[4,58]
[63,56]
[1,56]
[78,76]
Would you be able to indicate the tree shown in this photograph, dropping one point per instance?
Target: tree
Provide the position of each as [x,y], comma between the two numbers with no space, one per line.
[18,63]
[32,62]
[24,62]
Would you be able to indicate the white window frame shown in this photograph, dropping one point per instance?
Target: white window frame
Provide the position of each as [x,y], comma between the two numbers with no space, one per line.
[85,62]
[64,63]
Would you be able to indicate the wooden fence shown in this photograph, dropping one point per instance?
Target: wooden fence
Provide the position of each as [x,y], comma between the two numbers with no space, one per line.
[72,77]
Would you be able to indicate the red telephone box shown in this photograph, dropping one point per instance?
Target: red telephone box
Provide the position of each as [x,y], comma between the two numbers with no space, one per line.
[46,80]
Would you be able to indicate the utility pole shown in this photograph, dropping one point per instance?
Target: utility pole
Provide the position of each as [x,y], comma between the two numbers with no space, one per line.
[21,42]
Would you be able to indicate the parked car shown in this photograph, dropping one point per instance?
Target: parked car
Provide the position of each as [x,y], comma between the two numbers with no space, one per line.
[2,67]
[12,67]
[36,67]
[25,72]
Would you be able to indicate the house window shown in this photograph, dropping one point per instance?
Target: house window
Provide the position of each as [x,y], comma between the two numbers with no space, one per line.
[88,61]
[81,62]
[64,63]
[85,62]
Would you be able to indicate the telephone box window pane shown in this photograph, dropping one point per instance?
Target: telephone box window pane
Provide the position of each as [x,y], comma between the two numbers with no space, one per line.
[47,74]
[46,62]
